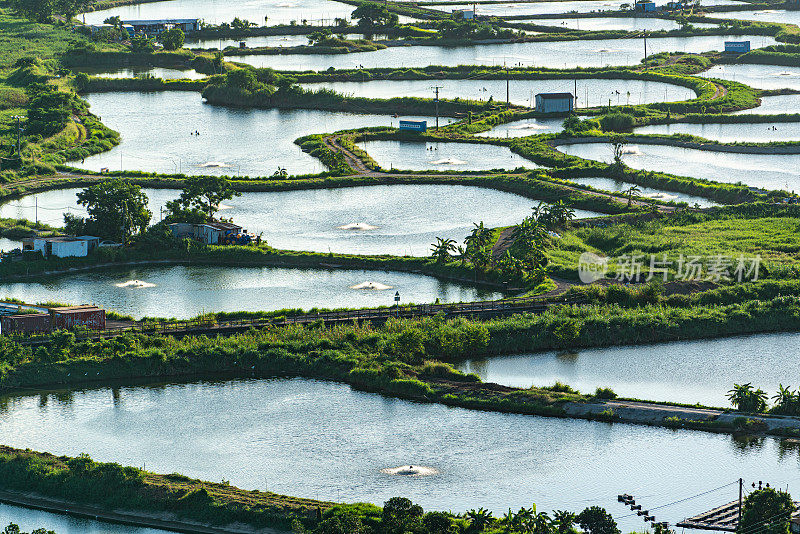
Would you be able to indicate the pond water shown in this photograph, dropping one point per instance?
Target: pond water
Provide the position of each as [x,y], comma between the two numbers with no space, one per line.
[524,128]
[9,244]
[245,142]
[609,184]
[730,133]
[259,41]
[772,105]
[758,76]
[188,291]
[764,15]
[768,171]
[399,219]
[663,372]
[415,156]
[318,12]
[139,72]
[323,440]
[553,54]
[29,520]
[551,8]
[632,24]
[591,92]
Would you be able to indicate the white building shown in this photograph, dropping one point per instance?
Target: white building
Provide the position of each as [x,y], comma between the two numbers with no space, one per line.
[62,246]
[555,102]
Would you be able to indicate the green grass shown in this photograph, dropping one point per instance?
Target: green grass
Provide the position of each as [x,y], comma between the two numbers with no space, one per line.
[21,38]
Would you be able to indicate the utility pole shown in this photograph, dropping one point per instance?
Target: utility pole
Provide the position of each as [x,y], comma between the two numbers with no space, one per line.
[645,45]
[741,490]
[576,94]
[36,209]
[508,89]
[436,101]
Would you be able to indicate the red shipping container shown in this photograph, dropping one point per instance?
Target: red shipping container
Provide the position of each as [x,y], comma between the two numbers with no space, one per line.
[33,323]
[71,317]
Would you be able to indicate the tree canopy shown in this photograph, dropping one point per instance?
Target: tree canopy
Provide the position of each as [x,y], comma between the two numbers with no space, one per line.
[766,511]
[201,197]
[372,14]
[117,210]
[172,39]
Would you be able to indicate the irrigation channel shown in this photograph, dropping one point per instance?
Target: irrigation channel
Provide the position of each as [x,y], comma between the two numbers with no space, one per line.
[553,54]
[323,440]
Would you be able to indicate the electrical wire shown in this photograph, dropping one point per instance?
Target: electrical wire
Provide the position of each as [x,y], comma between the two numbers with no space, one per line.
[685,499]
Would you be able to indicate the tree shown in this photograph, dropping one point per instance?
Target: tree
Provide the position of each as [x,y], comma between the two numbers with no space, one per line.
[617,122]
[319,37]
[141,43]
[172,39]
[437,523]
[117,209]
[400,515]
[563,521]
[442,249]
[69,8]
[618,144]
[595,520]
[202,194]
[745,398]
[50,110]
[630,192]
[766,511]
[37,10]
[373,14]
[479,519]
[787,402]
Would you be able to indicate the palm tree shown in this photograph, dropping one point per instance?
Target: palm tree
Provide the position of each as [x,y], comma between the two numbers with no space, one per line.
[542,524]
[508,521]
[748,399]
[787,402]
[442,248]
[563,521]
[632,190]
[479,519]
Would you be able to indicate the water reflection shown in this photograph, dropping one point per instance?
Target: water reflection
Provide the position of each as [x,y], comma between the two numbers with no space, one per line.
[249,431]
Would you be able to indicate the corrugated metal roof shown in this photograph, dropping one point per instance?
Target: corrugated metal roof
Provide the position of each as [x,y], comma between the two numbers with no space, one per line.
[547,96]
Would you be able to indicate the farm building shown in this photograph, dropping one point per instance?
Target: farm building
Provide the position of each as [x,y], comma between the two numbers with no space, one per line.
[555,102]
[645,6]
[463,14]
[211,233]
[737,47]
[61,318]
[154,27]
[62,246]
[414,126]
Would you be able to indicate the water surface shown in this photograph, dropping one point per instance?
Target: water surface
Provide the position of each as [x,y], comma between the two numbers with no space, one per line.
[768,171]
[323,440]
[551,8]
[590,92]
[318,12]
[141,72]
[553,54]
[609,184]
[416,156]
[404,219]
[763,15]
[188,291]
[632,24]
[243,142]
[524,128]
[773,105]
[258,41]
[730,133]
[758,76]
[29,520]
[687,372]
